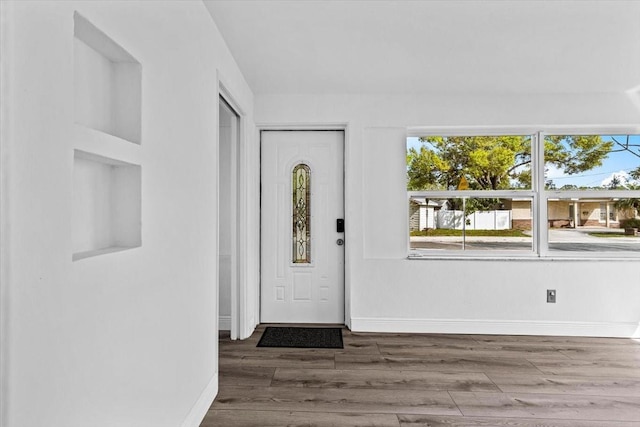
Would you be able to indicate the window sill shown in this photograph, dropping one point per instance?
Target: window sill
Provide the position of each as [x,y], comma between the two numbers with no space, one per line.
[528,257]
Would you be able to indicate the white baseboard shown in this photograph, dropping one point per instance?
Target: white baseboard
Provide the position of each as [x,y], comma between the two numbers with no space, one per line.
[202,405]
[497,327]
[224,323]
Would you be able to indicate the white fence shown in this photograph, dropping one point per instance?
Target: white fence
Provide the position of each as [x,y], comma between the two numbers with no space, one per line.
[480,220]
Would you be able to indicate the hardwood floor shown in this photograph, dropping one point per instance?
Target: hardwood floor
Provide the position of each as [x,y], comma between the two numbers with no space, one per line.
[430,380]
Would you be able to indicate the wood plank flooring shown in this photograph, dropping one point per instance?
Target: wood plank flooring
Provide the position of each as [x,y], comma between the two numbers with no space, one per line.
[430,380]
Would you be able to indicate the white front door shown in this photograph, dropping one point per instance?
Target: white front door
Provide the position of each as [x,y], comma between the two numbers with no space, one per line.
[302,249]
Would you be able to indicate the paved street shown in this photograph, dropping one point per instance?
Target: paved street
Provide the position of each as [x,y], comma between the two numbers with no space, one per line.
[559,239]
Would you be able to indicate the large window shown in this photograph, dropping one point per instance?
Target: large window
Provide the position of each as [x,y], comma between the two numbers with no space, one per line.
[523,195]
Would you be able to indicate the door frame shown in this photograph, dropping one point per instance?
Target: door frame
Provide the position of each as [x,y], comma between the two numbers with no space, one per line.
[344,127]
[232,223]
[240,326]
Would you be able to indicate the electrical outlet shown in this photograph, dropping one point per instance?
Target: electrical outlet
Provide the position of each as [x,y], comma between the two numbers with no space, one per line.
[551,295]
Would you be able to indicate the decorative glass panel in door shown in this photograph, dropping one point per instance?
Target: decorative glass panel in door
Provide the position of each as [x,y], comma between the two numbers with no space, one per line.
[301,189]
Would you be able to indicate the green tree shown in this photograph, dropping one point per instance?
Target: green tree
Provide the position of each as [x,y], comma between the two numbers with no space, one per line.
[576,153]
[496,162]
[486,162]
[631,206]
[615,183]
[424,169]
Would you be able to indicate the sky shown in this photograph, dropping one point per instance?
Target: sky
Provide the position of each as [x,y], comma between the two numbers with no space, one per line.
[618,164]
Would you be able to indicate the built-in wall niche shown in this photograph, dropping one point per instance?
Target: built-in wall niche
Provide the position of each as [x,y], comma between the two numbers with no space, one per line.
[106,205]
[107,83]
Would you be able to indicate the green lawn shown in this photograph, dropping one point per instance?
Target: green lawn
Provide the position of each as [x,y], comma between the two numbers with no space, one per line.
[448,232]
[608,235]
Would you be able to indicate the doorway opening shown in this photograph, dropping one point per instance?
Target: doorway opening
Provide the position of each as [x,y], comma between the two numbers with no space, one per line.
[228,224]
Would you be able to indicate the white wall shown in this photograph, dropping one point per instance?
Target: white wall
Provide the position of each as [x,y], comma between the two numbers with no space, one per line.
[127,338]
[387,292]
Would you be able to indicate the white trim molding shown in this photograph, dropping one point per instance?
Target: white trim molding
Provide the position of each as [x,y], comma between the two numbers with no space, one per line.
[224,323]
[202,405]
[531,129]
[497,327]
[302,126]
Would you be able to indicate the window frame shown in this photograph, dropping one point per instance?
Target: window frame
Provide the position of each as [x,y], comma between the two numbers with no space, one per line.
[540,196]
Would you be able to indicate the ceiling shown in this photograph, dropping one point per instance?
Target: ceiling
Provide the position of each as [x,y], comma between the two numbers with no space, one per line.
[454,46]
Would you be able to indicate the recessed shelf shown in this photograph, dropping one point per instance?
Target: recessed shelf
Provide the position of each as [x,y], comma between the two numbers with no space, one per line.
[106,214]
[107,83]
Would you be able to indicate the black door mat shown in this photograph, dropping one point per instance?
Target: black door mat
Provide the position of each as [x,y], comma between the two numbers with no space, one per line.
[294,337]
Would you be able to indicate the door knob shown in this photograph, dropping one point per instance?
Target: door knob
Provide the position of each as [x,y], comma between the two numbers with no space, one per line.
[340,242]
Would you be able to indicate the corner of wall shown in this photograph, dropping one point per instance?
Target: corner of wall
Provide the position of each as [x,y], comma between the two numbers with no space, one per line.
[6,58]
[202,405]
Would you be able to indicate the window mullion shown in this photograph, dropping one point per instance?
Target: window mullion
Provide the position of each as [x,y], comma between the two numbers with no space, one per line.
[540,217]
